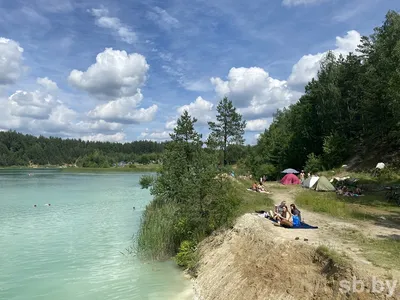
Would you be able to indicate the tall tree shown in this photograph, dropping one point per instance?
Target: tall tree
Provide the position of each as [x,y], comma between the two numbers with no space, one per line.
[229,128]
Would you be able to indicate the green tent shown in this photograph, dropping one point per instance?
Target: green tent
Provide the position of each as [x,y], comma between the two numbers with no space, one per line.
[323,185]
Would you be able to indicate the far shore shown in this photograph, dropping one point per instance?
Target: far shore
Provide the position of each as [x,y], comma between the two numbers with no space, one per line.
[137,168]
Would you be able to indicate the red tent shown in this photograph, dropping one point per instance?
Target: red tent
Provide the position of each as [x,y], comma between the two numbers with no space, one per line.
[290,179]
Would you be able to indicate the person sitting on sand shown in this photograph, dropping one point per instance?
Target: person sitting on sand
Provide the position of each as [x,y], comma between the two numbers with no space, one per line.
[260,188]
[285,218]
[279,208]
[295,211]
[277,211]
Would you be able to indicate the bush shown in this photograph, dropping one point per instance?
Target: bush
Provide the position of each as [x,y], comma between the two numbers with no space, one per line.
[388,174]
[146,181]
[187,255]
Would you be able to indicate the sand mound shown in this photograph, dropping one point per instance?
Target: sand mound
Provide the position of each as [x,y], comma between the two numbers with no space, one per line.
[250,261]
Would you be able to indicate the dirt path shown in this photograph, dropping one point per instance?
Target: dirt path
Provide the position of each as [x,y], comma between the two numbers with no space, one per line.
[332,232]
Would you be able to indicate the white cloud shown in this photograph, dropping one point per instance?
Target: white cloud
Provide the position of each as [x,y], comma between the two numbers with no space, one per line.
[309,65]
[201,109]
[117,137]
[163,18]
[254,92]
[155,135]
[257,125]
[35,105]
[37,112]
[47,83]
[300,2]
[115,74]
[170,125]
[10,61]
[124,110]
[42,112]
[103,20]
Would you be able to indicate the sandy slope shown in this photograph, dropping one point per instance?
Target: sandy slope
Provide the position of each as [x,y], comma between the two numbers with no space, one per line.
[256,260]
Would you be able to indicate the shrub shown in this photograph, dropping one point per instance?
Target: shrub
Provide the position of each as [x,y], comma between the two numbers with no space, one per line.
[187,256]
[146,181]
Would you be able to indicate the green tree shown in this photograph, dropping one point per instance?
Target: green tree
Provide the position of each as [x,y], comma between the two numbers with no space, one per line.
[229,128]
[189,190]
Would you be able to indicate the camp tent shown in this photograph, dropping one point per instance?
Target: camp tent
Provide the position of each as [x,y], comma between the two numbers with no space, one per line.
[310,182]
[290,179]
[323,185]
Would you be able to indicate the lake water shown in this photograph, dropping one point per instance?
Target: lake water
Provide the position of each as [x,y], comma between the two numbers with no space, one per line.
[77,248]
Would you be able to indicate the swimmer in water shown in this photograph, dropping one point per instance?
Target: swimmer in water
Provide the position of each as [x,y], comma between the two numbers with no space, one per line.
[133,208]
[34,205]
[48,204]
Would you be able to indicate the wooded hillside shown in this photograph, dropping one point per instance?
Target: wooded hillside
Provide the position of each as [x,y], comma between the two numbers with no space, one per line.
[351,108]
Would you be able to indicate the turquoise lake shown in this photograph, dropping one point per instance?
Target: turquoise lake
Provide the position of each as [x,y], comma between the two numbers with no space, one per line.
[79,246]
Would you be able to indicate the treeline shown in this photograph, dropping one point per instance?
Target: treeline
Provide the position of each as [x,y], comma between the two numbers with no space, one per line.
[352,107]
[17,149]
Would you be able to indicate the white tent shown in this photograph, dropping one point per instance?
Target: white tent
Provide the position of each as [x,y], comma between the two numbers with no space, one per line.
[310,182]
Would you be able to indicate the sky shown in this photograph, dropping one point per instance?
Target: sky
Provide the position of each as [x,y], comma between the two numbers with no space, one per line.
[119,70]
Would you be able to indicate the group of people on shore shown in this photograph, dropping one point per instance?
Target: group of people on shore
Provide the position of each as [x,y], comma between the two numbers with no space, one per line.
[283,216]
[345,191]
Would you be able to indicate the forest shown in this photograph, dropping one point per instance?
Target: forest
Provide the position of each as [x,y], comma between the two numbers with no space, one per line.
[352,108]
[17,149]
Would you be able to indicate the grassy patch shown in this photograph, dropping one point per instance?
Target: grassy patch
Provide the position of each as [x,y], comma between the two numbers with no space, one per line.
[328,203]
[345,207]
[336,258]
[250,201]
[382,252]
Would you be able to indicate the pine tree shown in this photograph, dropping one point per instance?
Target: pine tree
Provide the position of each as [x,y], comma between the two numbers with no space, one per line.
[229,128]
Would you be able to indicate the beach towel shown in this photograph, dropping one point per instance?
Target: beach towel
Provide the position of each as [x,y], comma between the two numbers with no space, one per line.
[302,225]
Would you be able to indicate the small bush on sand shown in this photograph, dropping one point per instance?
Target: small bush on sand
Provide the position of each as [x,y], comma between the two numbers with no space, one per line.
[336,258]
[187,256]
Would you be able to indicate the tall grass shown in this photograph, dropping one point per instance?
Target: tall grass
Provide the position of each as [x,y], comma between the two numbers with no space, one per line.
[329,203]
[156,237]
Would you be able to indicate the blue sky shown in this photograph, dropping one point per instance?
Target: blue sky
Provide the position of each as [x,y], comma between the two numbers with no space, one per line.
[124,70]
